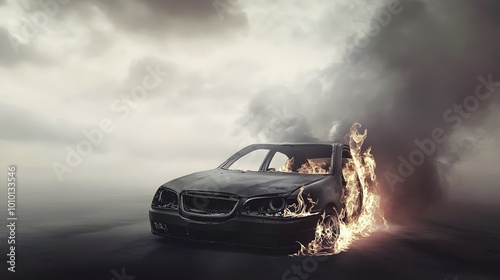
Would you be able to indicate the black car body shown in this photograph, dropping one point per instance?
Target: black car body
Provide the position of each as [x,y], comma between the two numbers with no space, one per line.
[247,206]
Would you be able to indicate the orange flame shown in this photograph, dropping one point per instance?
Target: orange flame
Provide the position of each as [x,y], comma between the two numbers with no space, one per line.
[311,166]
[300,208]
[361,215]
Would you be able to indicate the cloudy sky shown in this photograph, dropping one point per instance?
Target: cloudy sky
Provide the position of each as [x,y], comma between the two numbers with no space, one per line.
[66,66]
[178,86]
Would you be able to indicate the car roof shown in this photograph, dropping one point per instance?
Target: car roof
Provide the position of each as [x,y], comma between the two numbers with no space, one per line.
[266,145]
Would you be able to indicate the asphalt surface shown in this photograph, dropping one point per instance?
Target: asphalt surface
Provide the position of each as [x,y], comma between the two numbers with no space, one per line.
[109,238]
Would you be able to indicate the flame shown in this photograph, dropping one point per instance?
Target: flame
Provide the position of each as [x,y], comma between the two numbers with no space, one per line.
[311,166]
[288,166]
[333,235]
[300,208]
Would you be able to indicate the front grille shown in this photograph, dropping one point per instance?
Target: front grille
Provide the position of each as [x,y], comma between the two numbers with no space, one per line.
[209,204]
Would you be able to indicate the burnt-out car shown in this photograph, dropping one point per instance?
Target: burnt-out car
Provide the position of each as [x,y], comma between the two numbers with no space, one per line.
[265,195]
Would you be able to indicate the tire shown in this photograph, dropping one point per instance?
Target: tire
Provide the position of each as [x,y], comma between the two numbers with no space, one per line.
[332,218]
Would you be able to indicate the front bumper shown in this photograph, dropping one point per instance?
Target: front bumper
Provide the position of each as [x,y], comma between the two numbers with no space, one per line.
[238,230]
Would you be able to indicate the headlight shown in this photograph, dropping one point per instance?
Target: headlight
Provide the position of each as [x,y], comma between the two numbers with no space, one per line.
[277,204]
[166,198]
[268,207]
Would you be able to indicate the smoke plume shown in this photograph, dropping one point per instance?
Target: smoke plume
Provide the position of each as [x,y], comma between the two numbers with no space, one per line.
[422,85]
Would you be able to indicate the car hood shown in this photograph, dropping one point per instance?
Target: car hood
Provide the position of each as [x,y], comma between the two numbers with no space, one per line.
[244,184]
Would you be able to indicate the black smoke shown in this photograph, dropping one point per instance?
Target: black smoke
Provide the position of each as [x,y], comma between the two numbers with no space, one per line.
[405,82]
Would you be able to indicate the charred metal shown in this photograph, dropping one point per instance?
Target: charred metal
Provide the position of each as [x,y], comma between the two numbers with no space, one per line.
[249,206]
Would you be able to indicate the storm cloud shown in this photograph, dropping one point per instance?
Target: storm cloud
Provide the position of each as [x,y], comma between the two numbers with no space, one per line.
[13,52]
[161,19]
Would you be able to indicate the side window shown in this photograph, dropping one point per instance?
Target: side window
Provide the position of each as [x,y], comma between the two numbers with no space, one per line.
[278,163]
[251,161]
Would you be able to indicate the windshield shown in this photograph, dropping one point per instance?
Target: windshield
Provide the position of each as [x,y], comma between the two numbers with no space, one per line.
[301,159]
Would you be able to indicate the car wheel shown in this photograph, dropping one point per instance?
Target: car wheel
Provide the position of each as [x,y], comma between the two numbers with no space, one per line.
[331,225]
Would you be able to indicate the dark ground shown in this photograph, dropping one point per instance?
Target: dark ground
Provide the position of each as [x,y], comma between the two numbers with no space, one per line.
[75,240]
